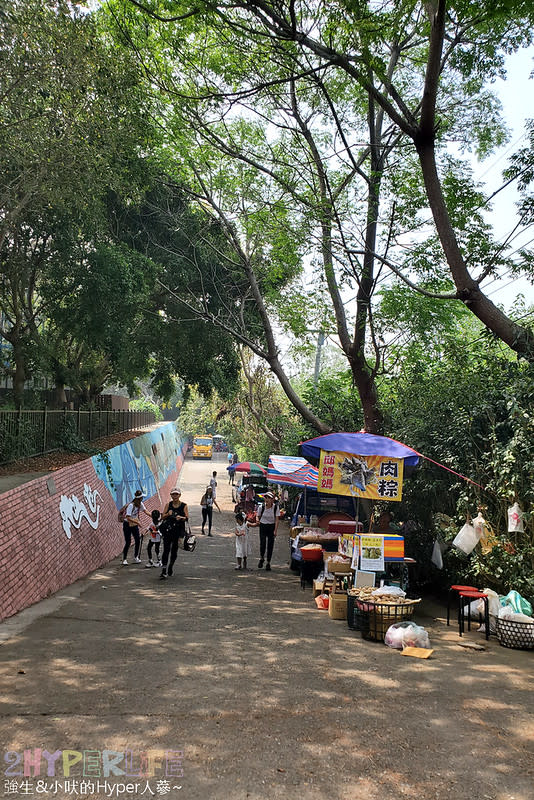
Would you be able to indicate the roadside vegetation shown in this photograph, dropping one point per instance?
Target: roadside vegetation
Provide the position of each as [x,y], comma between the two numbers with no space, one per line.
[265,217]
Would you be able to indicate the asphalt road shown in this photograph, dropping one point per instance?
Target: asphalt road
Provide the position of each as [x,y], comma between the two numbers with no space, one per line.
[265,696]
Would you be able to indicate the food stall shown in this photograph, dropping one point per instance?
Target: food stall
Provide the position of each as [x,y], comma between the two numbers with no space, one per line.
[368,467]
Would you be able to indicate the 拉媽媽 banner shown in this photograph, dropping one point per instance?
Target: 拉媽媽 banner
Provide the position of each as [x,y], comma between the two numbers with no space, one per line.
[374,477]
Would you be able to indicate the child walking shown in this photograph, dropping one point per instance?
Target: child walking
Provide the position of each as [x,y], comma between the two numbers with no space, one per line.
[154,540]
[242,540]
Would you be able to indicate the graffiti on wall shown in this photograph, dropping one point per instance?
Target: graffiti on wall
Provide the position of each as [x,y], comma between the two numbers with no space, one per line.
[142,463]
[73,511]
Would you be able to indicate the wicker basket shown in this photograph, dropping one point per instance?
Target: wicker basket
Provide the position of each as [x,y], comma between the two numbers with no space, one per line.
[378,618]
[517,635]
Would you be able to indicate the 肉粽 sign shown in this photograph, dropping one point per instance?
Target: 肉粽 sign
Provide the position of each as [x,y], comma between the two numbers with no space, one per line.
[374,477]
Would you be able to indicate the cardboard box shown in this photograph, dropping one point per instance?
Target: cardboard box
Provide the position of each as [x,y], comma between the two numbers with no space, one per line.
[338,566]
[337,608]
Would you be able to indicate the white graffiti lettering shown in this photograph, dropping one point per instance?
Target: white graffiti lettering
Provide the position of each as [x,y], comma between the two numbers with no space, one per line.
[73,511]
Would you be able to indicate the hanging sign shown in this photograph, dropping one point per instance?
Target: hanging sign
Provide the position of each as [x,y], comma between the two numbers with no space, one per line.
[374,477]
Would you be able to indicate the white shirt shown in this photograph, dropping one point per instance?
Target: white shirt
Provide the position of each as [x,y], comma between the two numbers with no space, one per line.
[269,515]
[133,511]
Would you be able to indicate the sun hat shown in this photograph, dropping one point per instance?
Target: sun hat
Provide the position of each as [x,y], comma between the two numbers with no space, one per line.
[139,493]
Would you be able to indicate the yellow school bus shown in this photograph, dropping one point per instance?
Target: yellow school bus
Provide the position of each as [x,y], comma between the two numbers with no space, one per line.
[203,447]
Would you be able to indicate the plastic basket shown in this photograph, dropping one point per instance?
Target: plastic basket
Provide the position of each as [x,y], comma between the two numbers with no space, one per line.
[357,618]
[380,616]
[517,635]
[313,554]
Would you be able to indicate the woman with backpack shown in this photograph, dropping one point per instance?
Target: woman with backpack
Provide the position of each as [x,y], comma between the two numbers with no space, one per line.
[175,515]
[268,516]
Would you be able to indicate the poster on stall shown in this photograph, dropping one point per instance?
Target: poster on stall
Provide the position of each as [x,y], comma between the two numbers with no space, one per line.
[374,477]
[372,553]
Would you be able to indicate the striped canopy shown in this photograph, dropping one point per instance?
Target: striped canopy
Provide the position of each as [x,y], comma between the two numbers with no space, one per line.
[292,471]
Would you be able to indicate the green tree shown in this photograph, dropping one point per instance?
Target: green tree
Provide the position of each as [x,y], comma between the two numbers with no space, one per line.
[304,89]
[71,114]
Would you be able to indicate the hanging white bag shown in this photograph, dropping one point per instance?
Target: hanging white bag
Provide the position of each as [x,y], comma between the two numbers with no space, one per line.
[515,519]
[437,558]
[466,539]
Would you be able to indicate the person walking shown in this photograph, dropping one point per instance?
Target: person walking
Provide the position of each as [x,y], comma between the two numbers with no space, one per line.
[175,515]
[230,471]
[242,540]
[154,540]
[269,515]
[213,484]
[207,501]
[130,527]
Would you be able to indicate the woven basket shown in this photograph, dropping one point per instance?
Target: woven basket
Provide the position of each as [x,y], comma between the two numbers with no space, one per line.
[517,635]
[382,616]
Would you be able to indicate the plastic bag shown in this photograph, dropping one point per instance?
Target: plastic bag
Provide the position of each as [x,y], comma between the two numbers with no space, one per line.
[437,558]
[395,633]
[494,603]
[518,603]
[388,591]
[507,612]
[415,636]
[322,601]
[466,539]
[515,519]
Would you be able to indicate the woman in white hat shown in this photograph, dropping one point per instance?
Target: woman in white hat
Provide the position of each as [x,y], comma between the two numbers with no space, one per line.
[130,527]
[172,528]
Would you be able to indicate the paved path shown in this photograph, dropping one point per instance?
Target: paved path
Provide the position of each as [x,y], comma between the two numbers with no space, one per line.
[267,696]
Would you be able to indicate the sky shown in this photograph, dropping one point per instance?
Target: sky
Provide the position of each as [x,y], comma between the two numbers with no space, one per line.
[515,94]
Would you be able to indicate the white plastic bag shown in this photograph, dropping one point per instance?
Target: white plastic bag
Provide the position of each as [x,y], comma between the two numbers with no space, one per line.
[415,636]
[437,558]
[389,591]
[395,633]
[493,603]
[515,519]
[466,539]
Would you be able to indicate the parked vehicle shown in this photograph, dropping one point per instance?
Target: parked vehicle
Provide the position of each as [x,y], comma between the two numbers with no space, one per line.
[203,447]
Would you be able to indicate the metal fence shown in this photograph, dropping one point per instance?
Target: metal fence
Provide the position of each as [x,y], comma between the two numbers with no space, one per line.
[31,433]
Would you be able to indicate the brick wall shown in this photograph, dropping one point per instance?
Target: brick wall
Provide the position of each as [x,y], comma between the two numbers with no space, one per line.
[36,556]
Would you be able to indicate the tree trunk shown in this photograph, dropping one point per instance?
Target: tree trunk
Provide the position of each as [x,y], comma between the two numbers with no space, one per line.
[60,395]
[515,336]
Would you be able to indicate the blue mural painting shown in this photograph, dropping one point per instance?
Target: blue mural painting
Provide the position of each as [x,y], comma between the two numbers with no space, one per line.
[142,463]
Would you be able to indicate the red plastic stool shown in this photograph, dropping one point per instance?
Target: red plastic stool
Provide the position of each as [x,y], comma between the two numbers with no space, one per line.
[465,599]
[457,588]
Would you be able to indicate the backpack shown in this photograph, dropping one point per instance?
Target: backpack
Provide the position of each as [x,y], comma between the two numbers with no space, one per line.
[121,516]
[275,506]
[171,524]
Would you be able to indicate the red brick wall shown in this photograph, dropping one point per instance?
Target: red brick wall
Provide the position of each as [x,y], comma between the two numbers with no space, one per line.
[36,556]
